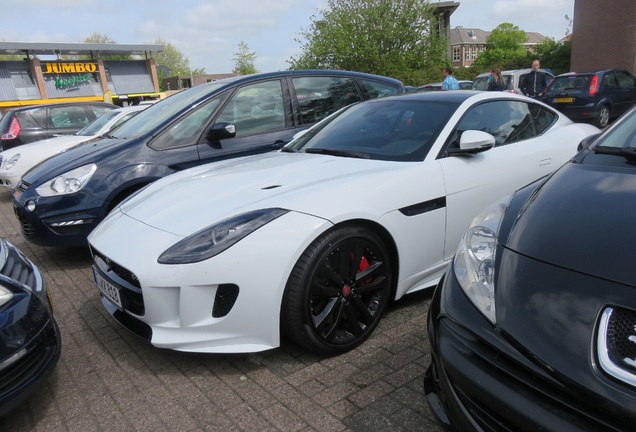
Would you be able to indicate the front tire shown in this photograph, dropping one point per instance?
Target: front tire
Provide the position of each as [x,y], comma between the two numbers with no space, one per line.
[603,118]
[337,291]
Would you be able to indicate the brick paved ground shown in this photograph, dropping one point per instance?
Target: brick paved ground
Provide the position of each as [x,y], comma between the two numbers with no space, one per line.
[108,380]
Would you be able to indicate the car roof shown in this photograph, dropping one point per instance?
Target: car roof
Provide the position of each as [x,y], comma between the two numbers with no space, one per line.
[598,72]
[57,104]
[303,72]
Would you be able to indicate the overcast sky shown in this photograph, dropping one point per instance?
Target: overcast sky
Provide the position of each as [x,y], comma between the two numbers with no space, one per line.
[209,31]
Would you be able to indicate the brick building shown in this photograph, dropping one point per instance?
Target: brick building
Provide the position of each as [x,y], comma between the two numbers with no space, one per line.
[604,35]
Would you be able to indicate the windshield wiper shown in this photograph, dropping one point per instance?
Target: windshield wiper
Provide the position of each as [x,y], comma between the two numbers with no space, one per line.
[336,152]
[627,152]
[288,150]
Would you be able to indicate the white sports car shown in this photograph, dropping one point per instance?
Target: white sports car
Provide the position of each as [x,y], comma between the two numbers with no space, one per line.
[14,162]
[314,240]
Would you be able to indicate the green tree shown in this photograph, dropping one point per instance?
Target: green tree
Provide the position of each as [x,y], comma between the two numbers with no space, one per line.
[504,48]
[99,38]
[554,55]
[244,60]
[385,37]
[171,62]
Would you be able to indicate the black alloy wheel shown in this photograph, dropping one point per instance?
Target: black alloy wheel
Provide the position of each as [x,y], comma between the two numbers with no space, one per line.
[337,291]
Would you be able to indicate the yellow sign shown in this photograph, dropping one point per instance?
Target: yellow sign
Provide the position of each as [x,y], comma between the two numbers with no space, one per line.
[60,68]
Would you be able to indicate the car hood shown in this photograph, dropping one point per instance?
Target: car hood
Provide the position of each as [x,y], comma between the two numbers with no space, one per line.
[588,207]
[91,151]
[323,186]
[50,146]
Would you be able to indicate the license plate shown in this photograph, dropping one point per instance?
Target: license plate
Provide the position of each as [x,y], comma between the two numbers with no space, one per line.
[110,291]
[564,100]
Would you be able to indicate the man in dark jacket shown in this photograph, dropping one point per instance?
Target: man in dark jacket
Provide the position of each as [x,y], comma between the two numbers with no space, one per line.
[535,82]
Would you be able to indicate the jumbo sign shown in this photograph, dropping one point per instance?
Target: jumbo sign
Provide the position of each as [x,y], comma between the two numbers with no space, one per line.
[60,68]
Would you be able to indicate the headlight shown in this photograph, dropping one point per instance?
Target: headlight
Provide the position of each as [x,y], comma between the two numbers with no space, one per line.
[215,239]
[5,296]
[474,263]
[9,163]
[67,183]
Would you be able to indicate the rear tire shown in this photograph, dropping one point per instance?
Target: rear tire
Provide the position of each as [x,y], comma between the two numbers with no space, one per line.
[603,118]
[337,291]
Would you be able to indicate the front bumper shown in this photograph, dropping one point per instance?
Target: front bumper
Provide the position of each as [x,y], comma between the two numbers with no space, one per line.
[63,221]
[30,338]
[482,378]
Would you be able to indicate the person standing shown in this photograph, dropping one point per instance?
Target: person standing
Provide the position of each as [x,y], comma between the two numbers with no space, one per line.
[535,82]
[450,82]
[495,80]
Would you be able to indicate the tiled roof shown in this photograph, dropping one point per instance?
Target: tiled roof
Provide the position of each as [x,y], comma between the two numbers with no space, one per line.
[468,35]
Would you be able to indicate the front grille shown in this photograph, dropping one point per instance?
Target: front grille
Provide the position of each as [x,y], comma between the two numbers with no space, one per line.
[28,231]
[16,266]
[130,288]
[33,363]
[22,185]
[617,343]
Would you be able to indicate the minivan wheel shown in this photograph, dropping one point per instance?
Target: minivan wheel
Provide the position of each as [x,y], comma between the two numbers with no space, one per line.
[603,118]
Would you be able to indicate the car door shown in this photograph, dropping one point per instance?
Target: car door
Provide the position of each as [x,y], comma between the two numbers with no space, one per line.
[625,91]
[522,153]
[262,116]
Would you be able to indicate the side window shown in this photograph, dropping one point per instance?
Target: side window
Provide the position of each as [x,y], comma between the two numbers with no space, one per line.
[507,121]
[69,116]
[376,89]
[609,80]
[186,130]
[255,108]
[625,80]
[320,96]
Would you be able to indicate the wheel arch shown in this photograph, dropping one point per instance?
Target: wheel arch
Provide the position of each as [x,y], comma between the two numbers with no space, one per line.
[387,239]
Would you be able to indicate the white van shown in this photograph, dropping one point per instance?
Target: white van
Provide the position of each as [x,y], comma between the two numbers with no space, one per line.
[512,79]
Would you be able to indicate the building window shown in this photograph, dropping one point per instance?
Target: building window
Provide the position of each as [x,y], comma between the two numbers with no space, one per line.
[473,52]
[467,53]
[24,84]
[457,56]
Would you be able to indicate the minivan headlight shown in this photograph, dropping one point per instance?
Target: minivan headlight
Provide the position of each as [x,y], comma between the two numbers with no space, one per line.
[474,262]
[215,239]
[67,183]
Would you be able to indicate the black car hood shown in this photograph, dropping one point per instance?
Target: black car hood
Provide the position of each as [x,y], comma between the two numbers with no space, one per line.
[581,219]
[90,152]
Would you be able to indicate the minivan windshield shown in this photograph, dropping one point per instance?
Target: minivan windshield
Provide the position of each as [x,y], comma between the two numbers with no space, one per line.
[159,113]
[622,135]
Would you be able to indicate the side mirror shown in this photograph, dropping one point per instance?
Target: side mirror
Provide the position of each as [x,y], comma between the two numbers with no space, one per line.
[222,130]
[473,141]
[587,141]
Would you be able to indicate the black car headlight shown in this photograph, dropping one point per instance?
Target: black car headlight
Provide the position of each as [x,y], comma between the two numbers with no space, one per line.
[474,263]
[67,183]
[215,239]
[5,296]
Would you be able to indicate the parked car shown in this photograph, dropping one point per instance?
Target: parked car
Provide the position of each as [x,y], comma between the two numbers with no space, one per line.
[598,96]
[534,325]
[27,124]
[463,85]
[316,239]
[512,79]
[30,339]
[18,160]
[63,198]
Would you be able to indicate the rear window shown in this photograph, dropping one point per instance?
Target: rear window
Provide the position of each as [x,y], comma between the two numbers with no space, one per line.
[574,82]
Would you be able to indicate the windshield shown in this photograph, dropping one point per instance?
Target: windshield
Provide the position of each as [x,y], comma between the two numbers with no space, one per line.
[158,114]
[622,135]
[388,129]
[93,128]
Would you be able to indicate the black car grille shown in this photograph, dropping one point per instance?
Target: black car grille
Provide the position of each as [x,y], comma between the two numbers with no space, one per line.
[40,355]
[224,300]
[28,231]
[617,344]
[16,266]
[542,390]
[130,292]
[22,185]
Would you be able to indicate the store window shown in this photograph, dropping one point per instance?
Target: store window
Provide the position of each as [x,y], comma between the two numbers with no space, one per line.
[24,84]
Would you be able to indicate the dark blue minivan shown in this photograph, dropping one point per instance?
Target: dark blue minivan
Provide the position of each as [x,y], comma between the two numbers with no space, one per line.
[61,200]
